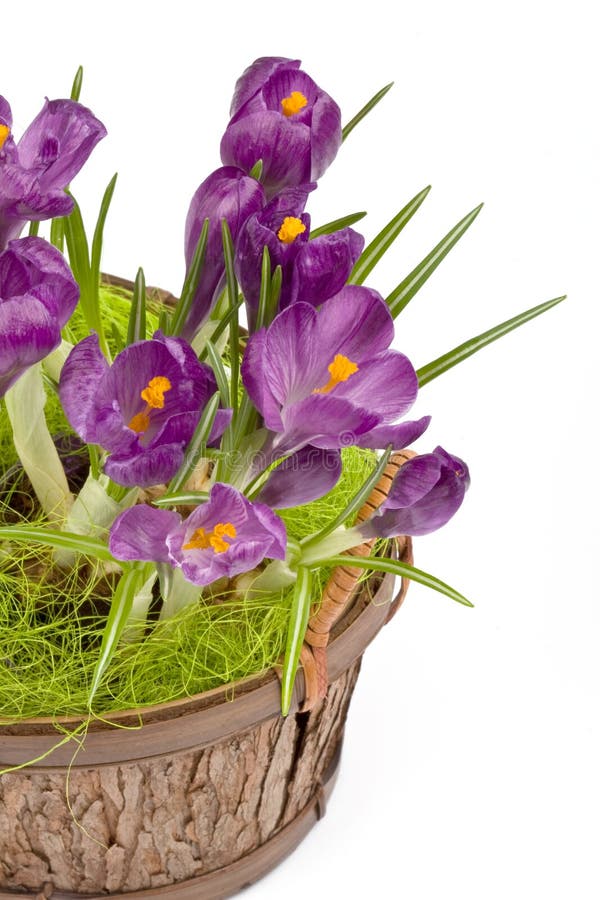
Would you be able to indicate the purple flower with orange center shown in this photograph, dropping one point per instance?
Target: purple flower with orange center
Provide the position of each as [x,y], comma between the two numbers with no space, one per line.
[226,536]
[312,270]
[425,494]
[143,409]
[327,379]
[37,297]
[35,171]
[280,116]
[230,194]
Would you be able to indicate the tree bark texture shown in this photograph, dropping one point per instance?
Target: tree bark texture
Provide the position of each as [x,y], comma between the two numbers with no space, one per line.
[162,821]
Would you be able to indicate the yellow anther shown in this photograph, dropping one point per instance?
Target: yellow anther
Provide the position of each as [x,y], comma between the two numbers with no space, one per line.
[293,104]
[4,133]
[140,422]
[154,393]
[291,227]
[201,540]
[340,370]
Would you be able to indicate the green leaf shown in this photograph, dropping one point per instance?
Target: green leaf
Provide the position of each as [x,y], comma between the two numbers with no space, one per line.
[379,245]
[233,296]
[98,235]
[57,234]
[218,368]
[62,540]
[194,448]
[256,170]
[181,498]
[406,290]
[120,608]
[337,224]
[365,110]
[34,228]
[136,330]
[299,615]
[453,357]
[262,316]
[354,505]
[77,82]
[276,287]
[380,564]
[191,282]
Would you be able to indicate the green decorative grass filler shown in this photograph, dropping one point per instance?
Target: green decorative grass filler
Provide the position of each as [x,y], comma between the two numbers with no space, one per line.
[51,623]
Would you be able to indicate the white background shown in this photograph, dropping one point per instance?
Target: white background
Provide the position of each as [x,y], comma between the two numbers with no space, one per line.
[471,767]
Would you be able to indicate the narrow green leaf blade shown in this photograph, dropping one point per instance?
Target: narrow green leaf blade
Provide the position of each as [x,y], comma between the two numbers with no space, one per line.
[120,608]
[262,316]
[234,331]
[181,498]
[365,110]
[98,235]
[191,282]
[386,237]
[337,224]
[218,368]
[463,351]
[356,503]
[380,564]
[256,170]
[61,540]
[77,82]
[136,329]
[299,615]
[406,290]
[194,449]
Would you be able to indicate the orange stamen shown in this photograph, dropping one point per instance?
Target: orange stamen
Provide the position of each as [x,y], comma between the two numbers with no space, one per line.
[154,395]
[201,540]
[293,104]
[340,370]
[291,227]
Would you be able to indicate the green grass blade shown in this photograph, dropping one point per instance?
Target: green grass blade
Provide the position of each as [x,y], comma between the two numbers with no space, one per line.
[195,447]
[136,329]
[57,234]
[380,564]
[218,368]
[299,615]
[406,290]
[365,110]
[337,224]
[463,351]
[77,82]
[234,331]
[191,282]
[60,540]
[386,237]
[120,609]
[34,229]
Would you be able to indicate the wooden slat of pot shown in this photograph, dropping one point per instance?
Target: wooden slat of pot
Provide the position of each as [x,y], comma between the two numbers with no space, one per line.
[197,722]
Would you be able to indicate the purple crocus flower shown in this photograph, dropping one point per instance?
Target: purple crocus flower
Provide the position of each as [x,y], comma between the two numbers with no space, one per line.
[143,409]
[312,271]
[37,297]
[279,115]
[226,194]
[327,377]
[425,494]
[226,536]
[35,172]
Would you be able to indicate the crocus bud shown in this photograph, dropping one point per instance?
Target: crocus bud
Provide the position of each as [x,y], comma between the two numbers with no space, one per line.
[226,194]
[280,116]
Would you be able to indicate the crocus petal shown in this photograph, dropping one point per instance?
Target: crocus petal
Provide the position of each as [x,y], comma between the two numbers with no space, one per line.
[274,527]
[59,141]
[301,478]
[356,322]
[396,436]
[27,334]
[256,381]
[139,533]
[81,376]
[154,465]
[387,383]
[323,265]
[253,78]
[325,421]
[327,134]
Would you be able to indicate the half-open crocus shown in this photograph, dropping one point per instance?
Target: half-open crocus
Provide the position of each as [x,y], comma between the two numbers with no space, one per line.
[327,377]
[425,494]
[143,409]
[226,536]
[35,171]
[312,270]
[227,194]
[280,116]
[37,296]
